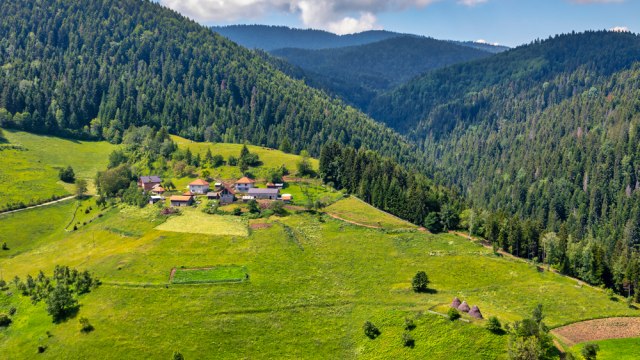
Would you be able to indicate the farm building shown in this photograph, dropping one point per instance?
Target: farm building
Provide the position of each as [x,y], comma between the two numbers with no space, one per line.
[158,190]
[181,200]
[264,194]
[199,186]
[286,198]
[244,184]
[154,199]
[148,182]
[225,195]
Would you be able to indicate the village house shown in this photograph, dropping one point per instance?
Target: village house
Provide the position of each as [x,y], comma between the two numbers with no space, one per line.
[154,199]
[286,198]
[224,194]
[148,182]
[244,184]
[264,194]
[181,200]
[158,190]
[199,187]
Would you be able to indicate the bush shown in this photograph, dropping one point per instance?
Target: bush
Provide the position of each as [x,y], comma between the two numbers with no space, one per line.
[453,314]
[12,310]
[493,325]
[177,356]
[5,320]
[5,246]
[371,330]
[85,326]
[590,351]
[420,282]
[407,340]
[409,324]
[41,349]
[67,175]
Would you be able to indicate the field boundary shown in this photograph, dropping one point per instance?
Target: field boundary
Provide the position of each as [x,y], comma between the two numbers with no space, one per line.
[39,205]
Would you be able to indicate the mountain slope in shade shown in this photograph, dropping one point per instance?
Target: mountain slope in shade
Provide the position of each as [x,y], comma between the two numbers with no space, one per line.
[270,38]
[359,72]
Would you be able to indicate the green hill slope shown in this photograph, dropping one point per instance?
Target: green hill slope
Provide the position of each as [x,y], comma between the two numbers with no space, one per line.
[308,294]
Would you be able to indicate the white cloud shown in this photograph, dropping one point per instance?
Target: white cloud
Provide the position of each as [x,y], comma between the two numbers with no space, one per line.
[483,41]
[620,29]
[340,16]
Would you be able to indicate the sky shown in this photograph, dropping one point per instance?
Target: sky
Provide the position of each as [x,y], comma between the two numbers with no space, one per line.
[505,22]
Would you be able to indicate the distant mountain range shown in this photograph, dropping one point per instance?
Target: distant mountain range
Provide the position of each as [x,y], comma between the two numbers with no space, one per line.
[355,67]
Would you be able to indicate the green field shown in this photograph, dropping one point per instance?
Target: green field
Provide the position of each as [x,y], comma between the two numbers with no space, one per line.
[307,297]
[230,273]
[270,158]
[196,222]
[615,349]
[358,211]
[31,175]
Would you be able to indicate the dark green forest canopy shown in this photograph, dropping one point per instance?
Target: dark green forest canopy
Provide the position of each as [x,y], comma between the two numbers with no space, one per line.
[94,68]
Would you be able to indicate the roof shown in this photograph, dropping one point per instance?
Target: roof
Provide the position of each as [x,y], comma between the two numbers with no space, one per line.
[199,182]
[254,191]
[150,179]
[158,188]
[287,197]
[180,198]
[188,193]
[245,180]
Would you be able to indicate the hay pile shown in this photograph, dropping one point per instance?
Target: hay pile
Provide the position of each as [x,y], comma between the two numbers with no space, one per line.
[475,312]
[455,303]
[464,307]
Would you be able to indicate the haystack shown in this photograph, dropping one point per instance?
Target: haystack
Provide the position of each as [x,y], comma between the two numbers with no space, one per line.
[475,312]
[464,307]
[455,303]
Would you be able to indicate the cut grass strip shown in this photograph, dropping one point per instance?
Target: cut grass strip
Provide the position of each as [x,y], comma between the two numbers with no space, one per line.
[217,274]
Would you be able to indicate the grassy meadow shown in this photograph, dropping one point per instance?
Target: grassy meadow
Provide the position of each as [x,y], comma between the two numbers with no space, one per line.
[30,174]
[196,222]
[230,273]
[356,210]
[615,349]
[307,296]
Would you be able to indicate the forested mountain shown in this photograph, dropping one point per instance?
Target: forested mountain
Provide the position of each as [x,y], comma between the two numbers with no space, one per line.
[358,73]
[270,38]
[548,133]
[94,68]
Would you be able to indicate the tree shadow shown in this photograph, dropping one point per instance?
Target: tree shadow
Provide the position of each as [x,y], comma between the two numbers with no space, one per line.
[428,291]
[68,314]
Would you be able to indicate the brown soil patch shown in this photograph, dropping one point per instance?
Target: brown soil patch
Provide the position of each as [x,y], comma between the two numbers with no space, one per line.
[600,329]
[260,226]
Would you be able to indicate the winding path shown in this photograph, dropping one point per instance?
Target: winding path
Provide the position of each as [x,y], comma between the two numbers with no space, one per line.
[39,205]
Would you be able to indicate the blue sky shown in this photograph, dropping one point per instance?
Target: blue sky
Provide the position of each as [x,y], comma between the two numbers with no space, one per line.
[507,22]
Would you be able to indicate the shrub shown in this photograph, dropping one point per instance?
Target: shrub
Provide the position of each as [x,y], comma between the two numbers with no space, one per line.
[409,324]
[453,314]
[420,282]
[408,340]
[177,356]
[237,212]
[493,325]
[5,246]
[590,351]
[5,320]
[371,330]
[3,284]
[12,310]
[60,302]
[85,326]
[41,349]
[67,175]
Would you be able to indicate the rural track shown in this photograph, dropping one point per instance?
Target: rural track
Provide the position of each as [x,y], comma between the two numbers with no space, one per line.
[39,205]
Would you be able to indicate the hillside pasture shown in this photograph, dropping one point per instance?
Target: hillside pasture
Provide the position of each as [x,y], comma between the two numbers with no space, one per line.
[29,174]
[309,293]
[217,274]
[357,211]
[614,349]
[196,222]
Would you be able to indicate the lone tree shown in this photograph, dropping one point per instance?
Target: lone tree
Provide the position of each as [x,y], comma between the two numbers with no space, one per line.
[67,175]
[420,282]
[371,330]
[81,188]
[590,351]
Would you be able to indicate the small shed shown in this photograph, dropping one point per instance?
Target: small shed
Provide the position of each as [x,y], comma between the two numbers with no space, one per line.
[181,200]
[286,198]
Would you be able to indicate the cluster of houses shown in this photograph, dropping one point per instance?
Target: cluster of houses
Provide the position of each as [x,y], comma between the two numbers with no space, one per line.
[245,188]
